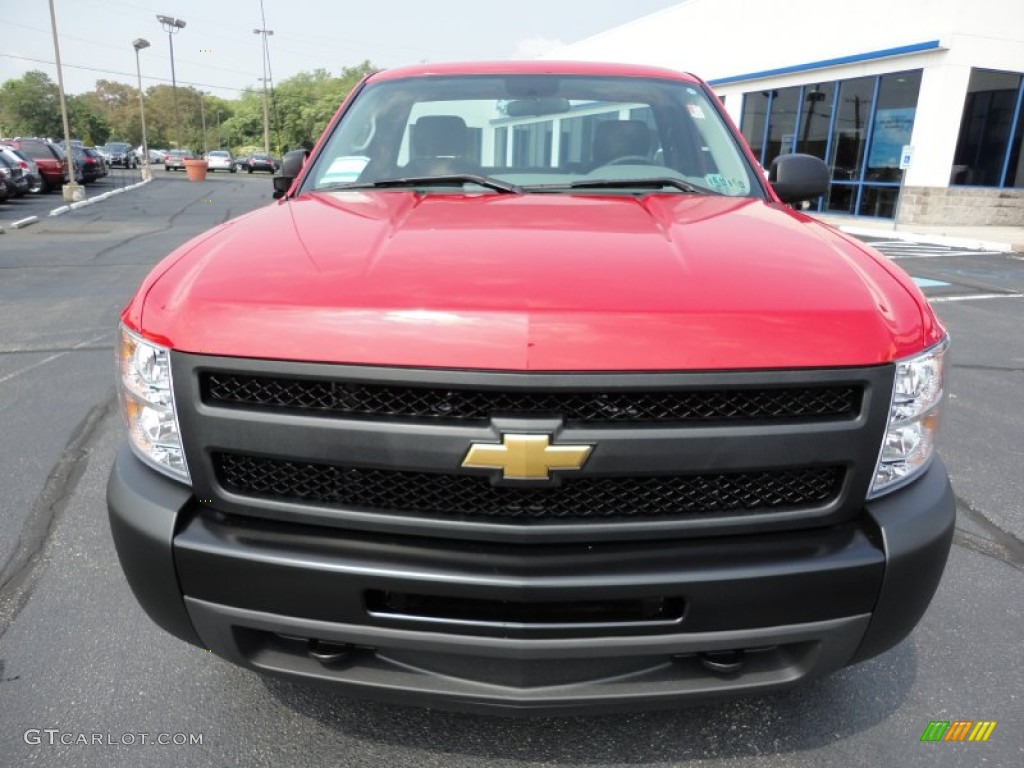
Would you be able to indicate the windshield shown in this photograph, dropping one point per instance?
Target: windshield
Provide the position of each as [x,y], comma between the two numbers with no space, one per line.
[535,133]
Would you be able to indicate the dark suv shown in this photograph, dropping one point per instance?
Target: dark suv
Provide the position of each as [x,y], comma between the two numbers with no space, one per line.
[118,153]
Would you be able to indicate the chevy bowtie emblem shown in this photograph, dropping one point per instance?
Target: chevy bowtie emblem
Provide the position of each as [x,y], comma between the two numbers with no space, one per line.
[526,457]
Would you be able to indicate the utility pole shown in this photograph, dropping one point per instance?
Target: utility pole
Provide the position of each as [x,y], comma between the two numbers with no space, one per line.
[266,98]
[72,192]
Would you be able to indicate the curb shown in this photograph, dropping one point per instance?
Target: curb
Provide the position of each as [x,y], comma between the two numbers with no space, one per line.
[93,200]
[23,222]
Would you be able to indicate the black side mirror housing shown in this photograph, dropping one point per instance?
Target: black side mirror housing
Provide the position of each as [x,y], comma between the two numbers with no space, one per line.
[799,177]
[291,166]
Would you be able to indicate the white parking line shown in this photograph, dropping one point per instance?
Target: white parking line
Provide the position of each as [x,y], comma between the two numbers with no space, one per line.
[51,358]
[898,249]
[975,297]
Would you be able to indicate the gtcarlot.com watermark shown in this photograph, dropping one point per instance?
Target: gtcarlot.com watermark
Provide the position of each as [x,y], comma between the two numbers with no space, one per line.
[54,736]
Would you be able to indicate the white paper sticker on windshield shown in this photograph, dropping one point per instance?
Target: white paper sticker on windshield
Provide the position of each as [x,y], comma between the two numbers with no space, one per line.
[344,169]
[695,111]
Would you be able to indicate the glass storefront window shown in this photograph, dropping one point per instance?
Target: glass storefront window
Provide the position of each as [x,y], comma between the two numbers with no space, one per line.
[988,119]
[842,198]
[755,113]
[857,126]
[781,123]
[878,201]
[893,124]
[1015,167]
[812,134]
[850,128]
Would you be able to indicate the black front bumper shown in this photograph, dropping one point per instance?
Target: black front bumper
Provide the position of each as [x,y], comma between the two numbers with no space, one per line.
[410,618]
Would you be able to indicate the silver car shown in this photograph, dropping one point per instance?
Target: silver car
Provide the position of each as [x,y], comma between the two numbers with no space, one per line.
[220,160]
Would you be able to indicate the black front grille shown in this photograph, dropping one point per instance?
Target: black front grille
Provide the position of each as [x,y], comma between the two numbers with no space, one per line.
[695,405]
[468,497]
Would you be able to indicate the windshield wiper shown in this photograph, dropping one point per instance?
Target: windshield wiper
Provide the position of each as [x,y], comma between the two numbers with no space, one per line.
[659,182]
[418,181]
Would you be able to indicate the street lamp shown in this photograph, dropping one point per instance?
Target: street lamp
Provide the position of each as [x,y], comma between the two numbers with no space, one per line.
[266,109]
[138,45]
[172,26]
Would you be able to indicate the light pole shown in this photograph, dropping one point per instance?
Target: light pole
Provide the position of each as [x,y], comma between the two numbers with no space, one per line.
[72,192]
[266,108]
[172,26]
[138,45]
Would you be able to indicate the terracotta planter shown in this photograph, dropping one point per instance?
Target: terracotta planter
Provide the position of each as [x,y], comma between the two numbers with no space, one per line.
[196,169]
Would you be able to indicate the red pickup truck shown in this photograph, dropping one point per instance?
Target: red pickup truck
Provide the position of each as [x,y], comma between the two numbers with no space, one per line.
[531,393]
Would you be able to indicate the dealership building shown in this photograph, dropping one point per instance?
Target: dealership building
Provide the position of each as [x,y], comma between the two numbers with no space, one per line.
[936,86]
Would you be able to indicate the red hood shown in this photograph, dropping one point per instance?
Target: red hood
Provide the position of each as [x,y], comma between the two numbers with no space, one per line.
[534,282]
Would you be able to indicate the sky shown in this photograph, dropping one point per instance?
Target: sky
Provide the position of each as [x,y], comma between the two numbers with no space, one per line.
[219,52]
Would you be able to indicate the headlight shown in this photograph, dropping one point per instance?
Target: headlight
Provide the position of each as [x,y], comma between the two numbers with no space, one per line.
[909,442]
[147,404]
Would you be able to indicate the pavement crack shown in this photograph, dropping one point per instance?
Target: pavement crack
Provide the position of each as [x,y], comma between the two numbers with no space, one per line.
[23,568]
[127,241]
[995,542]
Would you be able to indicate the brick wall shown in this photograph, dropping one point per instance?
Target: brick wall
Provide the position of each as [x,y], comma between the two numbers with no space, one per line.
[964,206]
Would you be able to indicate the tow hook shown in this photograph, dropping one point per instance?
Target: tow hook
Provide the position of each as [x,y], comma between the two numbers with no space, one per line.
[327,652]
[722,662]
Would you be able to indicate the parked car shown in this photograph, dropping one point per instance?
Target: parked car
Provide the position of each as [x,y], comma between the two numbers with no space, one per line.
[91,163]
[175,159]
[4,194]
[12,177]
[121,154]
[220,160]
[261,161]
[49,159]
[28,167]
[79,173]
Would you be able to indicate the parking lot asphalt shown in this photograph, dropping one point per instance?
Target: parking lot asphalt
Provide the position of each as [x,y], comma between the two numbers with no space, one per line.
[79,657]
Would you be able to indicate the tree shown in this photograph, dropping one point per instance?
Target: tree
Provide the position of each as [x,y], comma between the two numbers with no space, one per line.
[30,106]
[119,105]
[306,102]
[86,118]
[300,108]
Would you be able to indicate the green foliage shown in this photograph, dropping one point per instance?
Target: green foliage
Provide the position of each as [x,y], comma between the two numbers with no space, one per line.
[299,108]
[86,119]
[30,106]
[305,103]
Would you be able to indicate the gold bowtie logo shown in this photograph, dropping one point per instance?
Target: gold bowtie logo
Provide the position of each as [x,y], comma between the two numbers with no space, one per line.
[526,457]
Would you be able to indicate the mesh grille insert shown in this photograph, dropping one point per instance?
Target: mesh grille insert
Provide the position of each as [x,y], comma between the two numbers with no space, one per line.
[356,399]
[473,497]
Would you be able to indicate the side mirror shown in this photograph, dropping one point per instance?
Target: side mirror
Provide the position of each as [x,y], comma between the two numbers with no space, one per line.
[798,177]
[281,186]
[291,166]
